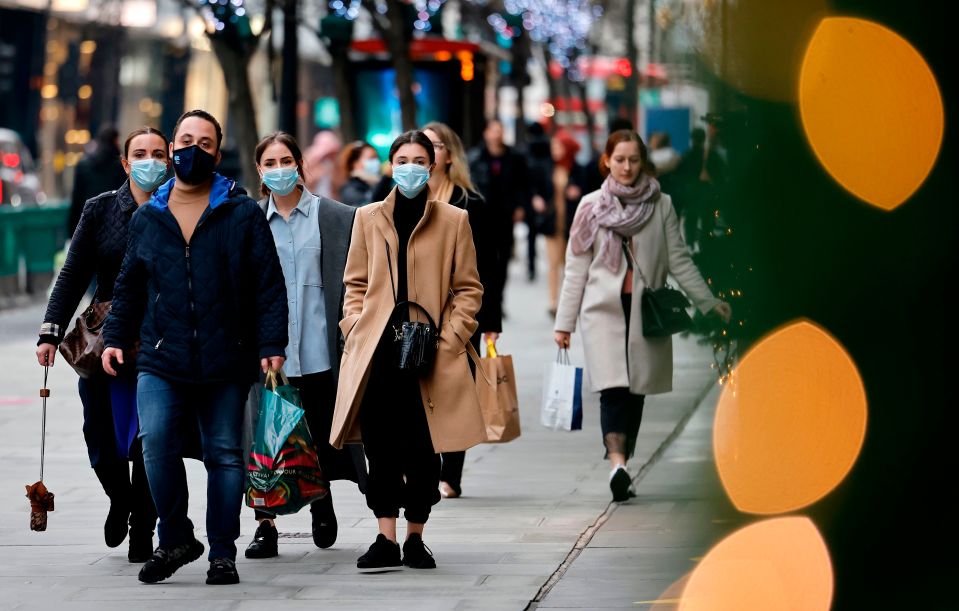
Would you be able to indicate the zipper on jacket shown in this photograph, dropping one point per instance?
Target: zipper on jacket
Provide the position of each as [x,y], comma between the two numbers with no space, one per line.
[189,288]
[157,347]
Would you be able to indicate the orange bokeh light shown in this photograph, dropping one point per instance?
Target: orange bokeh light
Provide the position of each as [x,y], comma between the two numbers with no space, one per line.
[866,96]
[791,422]
[780,564]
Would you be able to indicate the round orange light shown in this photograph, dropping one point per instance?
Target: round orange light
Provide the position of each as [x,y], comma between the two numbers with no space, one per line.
[791,422]
[866,96]
[780,564]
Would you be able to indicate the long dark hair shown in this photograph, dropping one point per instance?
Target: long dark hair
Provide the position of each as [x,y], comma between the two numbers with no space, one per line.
[618,137]
[289,142]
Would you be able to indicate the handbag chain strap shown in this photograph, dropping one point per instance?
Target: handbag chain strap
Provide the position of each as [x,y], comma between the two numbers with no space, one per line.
[389,261]
[633,263]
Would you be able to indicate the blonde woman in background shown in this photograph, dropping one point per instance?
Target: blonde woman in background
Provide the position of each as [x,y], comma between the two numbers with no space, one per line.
[450,182]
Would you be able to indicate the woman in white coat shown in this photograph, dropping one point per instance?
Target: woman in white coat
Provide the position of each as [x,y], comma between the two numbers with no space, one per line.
[625,235]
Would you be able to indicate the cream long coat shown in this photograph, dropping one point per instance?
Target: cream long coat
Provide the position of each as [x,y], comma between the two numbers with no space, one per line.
[591,293]
[440,258]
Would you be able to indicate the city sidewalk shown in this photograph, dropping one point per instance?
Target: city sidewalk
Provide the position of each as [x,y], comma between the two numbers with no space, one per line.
[535,522]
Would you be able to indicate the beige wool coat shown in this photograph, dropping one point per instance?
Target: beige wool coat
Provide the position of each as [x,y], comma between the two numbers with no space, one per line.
[591,294]
[442,277]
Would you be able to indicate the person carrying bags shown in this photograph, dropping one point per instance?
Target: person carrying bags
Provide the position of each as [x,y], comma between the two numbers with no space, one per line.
[406,391]
[625,240]
[312,237]
[97,250]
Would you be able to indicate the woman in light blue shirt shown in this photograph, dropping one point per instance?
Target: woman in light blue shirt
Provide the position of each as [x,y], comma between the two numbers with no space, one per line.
[312,236]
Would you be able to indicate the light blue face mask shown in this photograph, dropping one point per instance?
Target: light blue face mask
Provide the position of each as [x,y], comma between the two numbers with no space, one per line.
[281,180]
[410,178]
[147,173]
[372,166]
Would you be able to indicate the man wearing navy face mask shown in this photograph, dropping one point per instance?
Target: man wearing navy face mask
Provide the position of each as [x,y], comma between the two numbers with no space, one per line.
[202,289]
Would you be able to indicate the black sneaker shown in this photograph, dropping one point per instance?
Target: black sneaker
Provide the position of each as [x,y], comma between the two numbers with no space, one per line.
[141,549]
[165,562]
[115,527]
[324,522]
[382,554]
[264,543]
[416,555]
[620,484]
[222,573]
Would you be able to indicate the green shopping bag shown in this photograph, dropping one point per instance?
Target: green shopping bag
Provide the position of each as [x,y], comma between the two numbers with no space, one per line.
[284,473]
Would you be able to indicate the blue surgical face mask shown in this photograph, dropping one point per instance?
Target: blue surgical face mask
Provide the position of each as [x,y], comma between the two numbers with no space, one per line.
[371,166]
[147,173]
[281,180]
[410,178]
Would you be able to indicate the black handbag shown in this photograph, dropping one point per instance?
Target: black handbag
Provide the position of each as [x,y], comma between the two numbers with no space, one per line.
[415,343]
[664,309]
[664,312]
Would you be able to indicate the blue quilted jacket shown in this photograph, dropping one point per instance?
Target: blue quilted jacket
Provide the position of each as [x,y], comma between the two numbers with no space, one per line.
[206,311]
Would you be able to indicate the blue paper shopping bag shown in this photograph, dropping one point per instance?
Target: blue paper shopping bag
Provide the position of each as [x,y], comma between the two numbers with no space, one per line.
[562,406]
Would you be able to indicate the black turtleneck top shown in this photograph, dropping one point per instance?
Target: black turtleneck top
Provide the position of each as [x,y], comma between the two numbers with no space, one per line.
[406,214]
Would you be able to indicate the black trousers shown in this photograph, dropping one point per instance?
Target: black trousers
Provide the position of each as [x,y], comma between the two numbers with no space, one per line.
[404,468]
[111,469]
[620,411]
[318,395]
[451,471]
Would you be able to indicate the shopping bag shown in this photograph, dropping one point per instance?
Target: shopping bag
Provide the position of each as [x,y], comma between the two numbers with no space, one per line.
[284,472]
[562,407]
[499,402]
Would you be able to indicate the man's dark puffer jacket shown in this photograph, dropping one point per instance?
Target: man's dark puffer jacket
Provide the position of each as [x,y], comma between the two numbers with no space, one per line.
[209,310]
[97,249]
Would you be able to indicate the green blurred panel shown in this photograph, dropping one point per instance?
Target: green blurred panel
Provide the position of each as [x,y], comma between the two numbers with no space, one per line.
[34,234]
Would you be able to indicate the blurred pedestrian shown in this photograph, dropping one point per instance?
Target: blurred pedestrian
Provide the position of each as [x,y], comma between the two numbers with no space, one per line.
[696,181]
[501,177]
[312,237]
[559,210]
[98,171]
[110,426]
[540,164]
[408,248]
[361,163]
[450,182]
[623,236]
[321,164]
[202,288]
[662,154]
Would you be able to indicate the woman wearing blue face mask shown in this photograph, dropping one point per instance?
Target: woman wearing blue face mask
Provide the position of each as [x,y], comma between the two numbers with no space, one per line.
[312,237]
[362,165]
[109,407]
[408,248]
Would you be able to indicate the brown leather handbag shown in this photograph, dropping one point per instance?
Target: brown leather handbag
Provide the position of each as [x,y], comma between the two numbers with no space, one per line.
[82,347]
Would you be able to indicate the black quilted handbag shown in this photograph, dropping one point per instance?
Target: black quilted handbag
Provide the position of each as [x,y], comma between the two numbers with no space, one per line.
[664,309]
[415,343]
[664,312]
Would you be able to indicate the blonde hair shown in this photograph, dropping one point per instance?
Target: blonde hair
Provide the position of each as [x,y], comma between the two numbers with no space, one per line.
[459,169]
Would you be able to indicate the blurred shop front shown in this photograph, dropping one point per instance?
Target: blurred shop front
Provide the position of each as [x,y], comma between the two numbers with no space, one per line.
[79,66]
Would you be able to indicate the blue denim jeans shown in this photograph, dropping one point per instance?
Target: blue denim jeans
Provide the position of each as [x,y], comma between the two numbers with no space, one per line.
[165,409]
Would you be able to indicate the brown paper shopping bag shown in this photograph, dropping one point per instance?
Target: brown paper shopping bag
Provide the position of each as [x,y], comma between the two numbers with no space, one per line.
[499,403]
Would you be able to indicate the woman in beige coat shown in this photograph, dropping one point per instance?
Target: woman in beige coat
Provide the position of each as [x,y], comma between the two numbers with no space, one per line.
[408,247]
[623,236]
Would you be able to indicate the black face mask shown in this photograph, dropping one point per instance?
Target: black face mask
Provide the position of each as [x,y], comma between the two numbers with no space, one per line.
[193,165]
